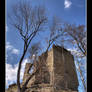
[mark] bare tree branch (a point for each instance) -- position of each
(28, 21)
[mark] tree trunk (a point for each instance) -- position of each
(18, 72)
(82, 77)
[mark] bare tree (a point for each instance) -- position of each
(28, 21)
(81, 74)
(56, 31)
(76, 35)
(34, 51)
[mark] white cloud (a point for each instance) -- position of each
(15, 51)
(12, 48)
(11, 72)
(8, 46)
(67, 3)
(6, 28)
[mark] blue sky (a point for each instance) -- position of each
(71, 11)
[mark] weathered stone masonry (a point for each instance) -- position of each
(58, 73)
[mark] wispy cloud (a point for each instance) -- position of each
(6, 28)
(15, 51)
(67, 3)
(11, 72)
(8, 46)
(12, 48)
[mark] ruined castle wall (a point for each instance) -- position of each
(70, 71)
(12, 88)
(59, 81)
(64, 70)
(27, 74)
(43, 89)
(65, 91)
(57, 74)
(50, 65)
(45, 72)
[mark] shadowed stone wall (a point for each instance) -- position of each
(65, 76)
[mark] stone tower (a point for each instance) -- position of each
(64, 76)
(58, 73)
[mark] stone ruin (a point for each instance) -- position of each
(57, 74)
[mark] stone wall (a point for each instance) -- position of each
(59, 70)
(27, 74)
(12, 88)
(64, 69)
(57, 73)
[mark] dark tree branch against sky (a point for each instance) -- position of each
(28, 22)
(76, 35)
